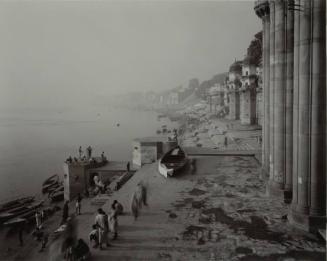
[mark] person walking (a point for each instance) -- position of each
(38, 219)
(118, 207)
(89, 152)
(21, 229)
(78, 204)
(113, 220)
(139, 198)
(80, 152)
(101, 220)
(128, 166)
(94, 236)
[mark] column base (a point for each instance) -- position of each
(274, 190)
(264, 174)
(306, 222)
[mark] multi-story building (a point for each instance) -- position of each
(234, 84)
(248, 100)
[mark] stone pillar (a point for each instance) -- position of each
(276, 182)
(262, 11)
(295, 102)
(289, 104)
(266, 87)
(309, 166)
(248, 104)
(271, 88)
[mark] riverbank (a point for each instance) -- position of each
(218, 212)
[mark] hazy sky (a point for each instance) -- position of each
(61, 52)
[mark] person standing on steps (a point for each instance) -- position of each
(78, 204)
(113, 220)
(80, 152)
(128, 166)
(101, 220)
(89, 152)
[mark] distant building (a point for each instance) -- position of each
(149, 149)
(248, 91)
(234, 84)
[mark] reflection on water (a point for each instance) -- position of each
(33, 145)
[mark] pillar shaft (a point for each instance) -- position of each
(289, 101)
(279, 96)
(266, 66)
(318, 111)
(295, 103)
(309, 165)
(271, 87)
(303, 108)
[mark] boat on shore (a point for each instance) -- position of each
(51, 179)
(172, 162)
(57, 194)
(5, 216)
(26, 217)
(50, 184)
(15, 203)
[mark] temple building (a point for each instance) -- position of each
(234, 84)
(259, 97)
(248, 91)
(294, 97)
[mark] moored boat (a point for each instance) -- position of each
(172, 162)
(15, 203)
(5, 216)
(50, 186)
(57, 196)
(51, 179)
(26, 217)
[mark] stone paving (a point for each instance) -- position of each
(212, 134)
(217, 212)
(220, 212)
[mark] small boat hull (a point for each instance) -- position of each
(57, 196)
(172, 162)
(50, 186)
(15, 203)
(51, 179)
(19, 212)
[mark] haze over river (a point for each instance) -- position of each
(35, 143)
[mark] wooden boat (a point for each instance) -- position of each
(5, 216)
(15, 203)
(50, 186)
(51, 179)
(57, 196)
(26, 217)
(56, 190)
(55, 187)
(173, 161)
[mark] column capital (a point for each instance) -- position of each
(261, 8)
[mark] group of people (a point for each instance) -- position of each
(87, 157)
(105, 223)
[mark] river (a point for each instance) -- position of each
(35, 143)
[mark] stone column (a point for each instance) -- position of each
(271, 88)
(309, 170)
(289, 104)
(295, 102)
(266, 69)
(262, 11)
(318, 111)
